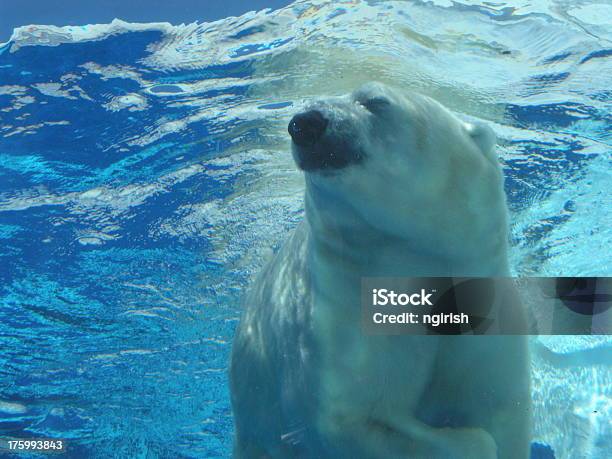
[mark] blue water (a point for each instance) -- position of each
(145, 177)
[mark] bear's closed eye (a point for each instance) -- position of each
(376, 104)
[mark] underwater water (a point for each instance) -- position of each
(145, 176)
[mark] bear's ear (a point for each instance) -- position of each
(482, 135)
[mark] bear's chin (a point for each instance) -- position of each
(327, 155)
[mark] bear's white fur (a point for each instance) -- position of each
(425, 200)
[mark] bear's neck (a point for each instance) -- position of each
(343, 246)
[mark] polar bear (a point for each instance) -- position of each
(396, 185)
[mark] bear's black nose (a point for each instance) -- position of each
(308, 127)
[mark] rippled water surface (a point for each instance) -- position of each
(145, 176)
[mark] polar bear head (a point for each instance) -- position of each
(399, 165)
